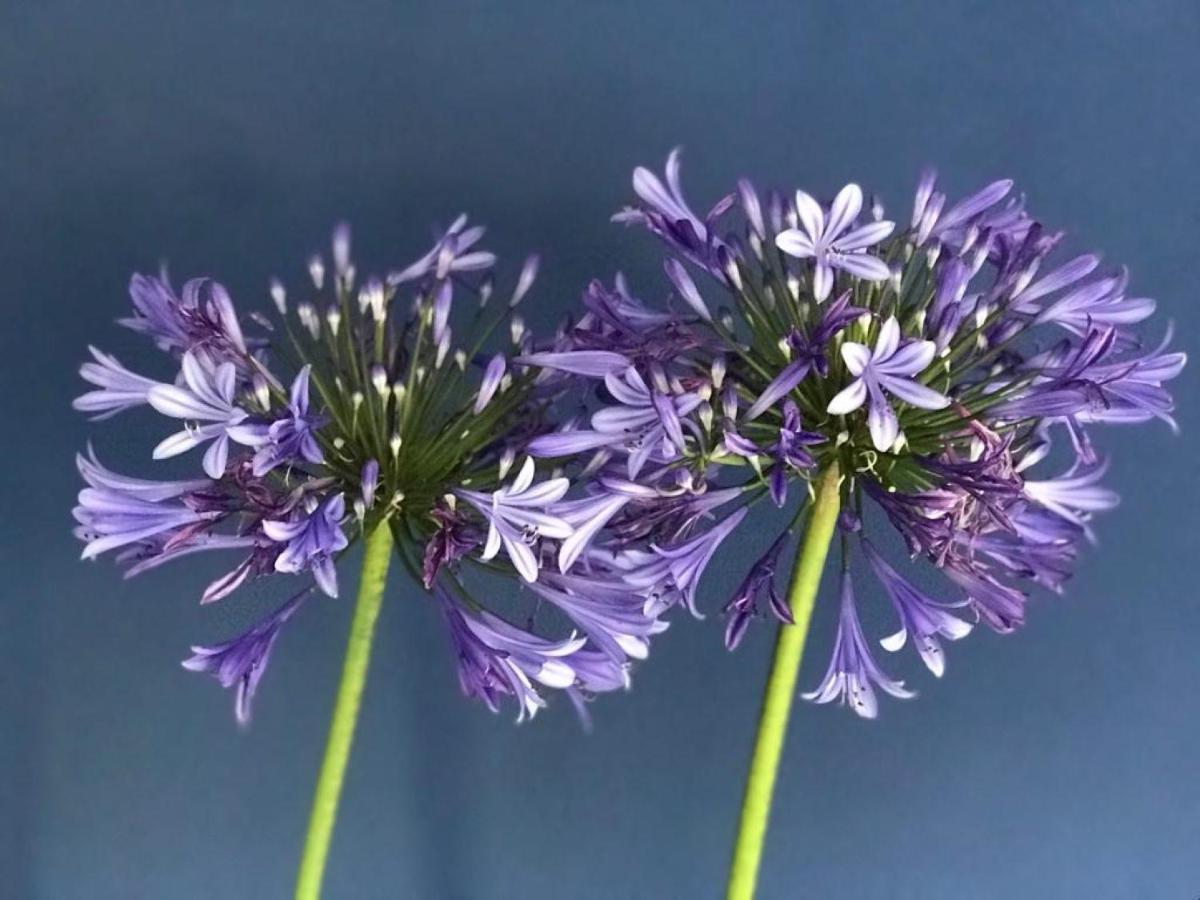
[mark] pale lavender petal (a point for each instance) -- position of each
(866, 236)
(687, 288)
(795, 242)
(844, 210)
(848, 399)
(914, 394)
(861, 265)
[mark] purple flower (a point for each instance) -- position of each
(928, 219)
(830, 243)
(920, 615)
(312, 537)
(116, 511)
(789, 453)
(647, 424)
(240, 663)
(1075, 496)
(853, 673)
(119, 389)
(744, 605)
(672, 574)
(667, 214)
(587, 517)
(453, 539)
(287, 440)
(496, 659)
(1002, 607)
(201, 320)
(517, 517)
(450, 254)
(888, 367)
(208, 395)
(606, 609)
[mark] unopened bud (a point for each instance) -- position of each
(718, 372)
(262, 391)
(379, 379)
(279, 296)
(316, 271)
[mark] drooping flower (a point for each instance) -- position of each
(240, 663)
(744, 604)
(921, 617)
(853, 674)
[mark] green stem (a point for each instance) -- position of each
(376, 556)
(781, 686)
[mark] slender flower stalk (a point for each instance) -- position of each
(781, 688)
(376, 558)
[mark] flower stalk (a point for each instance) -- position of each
(376, 557)
(781, 687)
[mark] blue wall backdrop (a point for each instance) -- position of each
(227, 138)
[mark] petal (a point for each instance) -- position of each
(822, 280)
(845, 209)
(914, 394)
(848, 399)
(492, 545)
(811, 216)
(795, 242)
(866, 236)
(687, 289)
(216, 457)
(524, 477)
(883, 425)
(179, 403)
(781, 386)
(593, 363)
(888, 340)
(857, 357)
(179, 442)
(861, 265)
(521, 556)
(566, 443)
(912, 358)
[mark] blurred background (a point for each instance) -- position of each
(226, 139)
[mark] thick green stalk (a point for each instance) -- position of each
(781, 686)
(377, 555)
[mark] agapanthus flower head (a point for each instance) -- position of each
(376, 402)
(934, 365)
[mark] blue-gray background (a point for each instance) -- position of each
(1059, 762)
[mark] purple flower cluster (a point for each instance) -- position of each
(938, 367)
(389, 422)
(934, 365)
